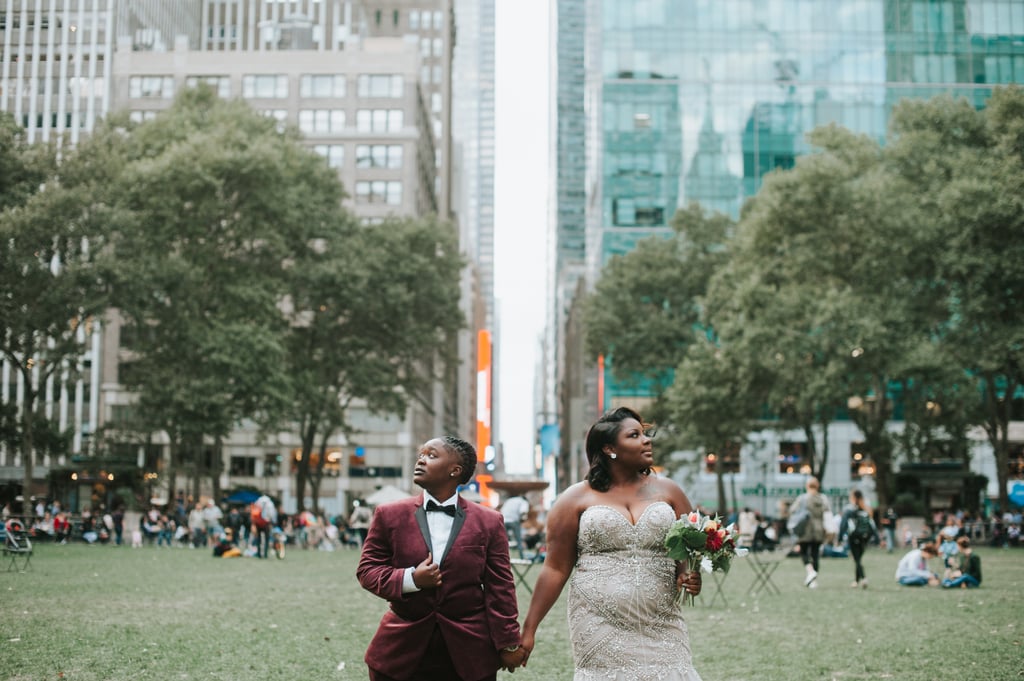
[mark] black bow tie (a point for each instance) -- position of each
(433, 506)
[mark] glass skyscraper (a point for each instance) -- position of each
(696, 100)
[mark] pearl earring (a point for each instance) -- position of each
(613, 455)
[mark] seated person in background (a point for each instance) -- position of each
(913, 568)
(968, 573)
(225, 546)
(949, 550)
(42, 528)
(764, 535)
(61, 527)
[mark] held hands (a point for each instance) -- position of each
(427, 575)
(511, 660)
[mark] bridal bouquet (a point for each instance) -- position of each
(702, 541)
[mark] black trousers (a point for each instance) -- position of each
(436, 665)
(809, 552)
(857, 551)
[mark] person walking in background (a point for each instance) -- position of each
(858, 529)
(514, 511)
(811, 534)
(262, 517)
(443, 565)
(608, 534)
(913, 567)
(359, 521)
(968, 573)
(888, 521)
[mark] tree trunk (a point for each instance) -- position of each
(27, 443)
(218, 467)
(824, 449)
(997, 427)
(302, 465)
(723, 509)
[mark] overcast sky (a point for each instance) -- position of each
(521, 196)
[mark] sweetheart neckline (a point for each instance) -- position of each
(623, 515)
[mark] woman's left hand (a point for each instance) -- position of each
(690, 581)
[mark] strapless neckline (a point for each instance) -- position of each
(623, 515)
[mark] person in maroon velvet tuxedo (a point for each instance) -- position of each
(443, 565)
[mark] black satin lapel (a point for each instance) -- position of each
(421, 520)
(460, 518)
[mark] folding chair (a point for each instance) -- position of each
(764, 564)
(17, 545)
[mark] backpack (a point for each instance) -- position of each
(860, 527)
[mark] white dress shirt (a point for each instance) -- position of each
(440, 526)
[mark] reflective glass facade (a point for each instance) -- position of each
(696, 100)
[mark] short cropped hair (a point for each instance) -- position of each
(466, 453)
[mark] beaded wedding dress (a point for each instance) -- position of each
(624, 621)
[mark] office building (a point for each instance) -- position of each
(697, 100)
(369, 85)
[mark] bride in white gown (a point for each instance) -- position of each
(624, 620)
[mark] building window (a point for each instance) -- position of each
(860, 463)
(793, 458)
(128, 374)
(436, 102)
(141, 116)
(322, 85)
(435, 74)
(332, 463)
(321, 120)
(414, 19)
(380, 85)
(271, 465)
(438, 20)
(730, 459)
(379, 156)
(1015, 461)
(379, 120)
(243, 466)
(220, 84)
(151, 87)
(124, 416)
(379, 192)
(334, 153)
(265, 86)
(437, 47)
(279, 115)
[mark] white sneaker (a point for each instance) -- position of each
(811, 576)
(812, 585)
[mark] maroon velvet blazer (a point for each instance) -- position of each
(475, 606)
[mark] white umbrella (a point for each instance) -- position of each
(385, 494)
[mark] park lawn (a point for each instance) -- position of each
(103, 613)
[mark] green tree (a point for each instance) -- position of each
(645, 310)
(966, 170)
(213, 204)
(51, 285)
(711, 406)
(375, 308)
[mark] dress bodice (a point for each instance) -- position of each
(604, 529)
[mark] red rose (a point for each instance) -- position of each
(714, 542)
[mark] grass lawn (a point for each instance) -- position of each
(100, 613)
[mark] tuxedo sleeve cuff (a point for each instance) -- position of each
(409, 586)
